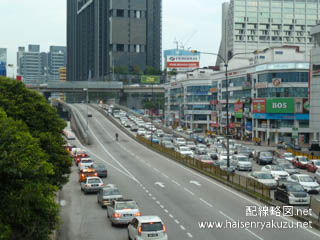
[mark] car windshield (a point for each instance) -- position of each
(94, 180)
(266, 154)
(151, 227)
(180, 140)
(190, 143)
(205, 157)
(112, 191)
(276, 168)
(126, 205)
(87, 161)
(295, 188)
(264, 176)
(185, 149)
(317, 163)
(99, 166)
(306, 179)
(303, 159)
(288, 155)
(243, 159)
(287, 166)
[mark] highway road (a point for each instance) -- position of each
(182, 197)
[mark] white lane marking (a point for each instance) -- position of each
(195, 183)
(154, 198)
(189, 235)
(161, 206)
(176, 183)
(187, 190)
(182, 227)
(231, 219)
(125, 169)
(147, 190)
(150, 194)
(160, 184)
(158, 202)
(156, 169)
(166, 210)
(170, 215)
(165, 175)
(63, 203)
(177, 222)
(205, 202)
(148, 164)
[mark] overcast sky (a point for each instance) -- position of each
(195, 24)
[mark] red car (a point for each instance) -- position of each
(300, 161)
(313, 165)
(79, 157)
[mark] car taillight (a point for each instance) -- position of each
(138, 214)
(139, 231)
(102, 184)
(86, 185)
(116, 215)
(164, 228)
(82, 175)
(96, 174)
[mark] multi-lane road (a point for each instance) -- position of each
(181, 197)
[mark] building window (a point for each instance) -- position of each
(137, 14)
(120, 47)
(120, 13)
(279, 52)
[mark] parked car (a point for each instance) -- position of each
(307, 182)
(300, 161)
(313, 165)
(147, 227)
(108, 194)
(100, 169)
(277, 172)
(292, 193)
(241, 162)
(122, 211)
(263, 157)
(264, 178)
(91, 184)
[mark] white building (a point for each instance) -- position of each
(259, 24)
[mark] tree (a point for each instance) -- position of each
(136, 69)
(28, 210)
(43, 124)
(121, 69)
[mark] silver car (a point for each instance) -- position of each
(122, 211)
(242, 162)
(91, 184)
(107, 195)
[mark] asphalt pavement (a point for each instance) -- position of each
(184, 199)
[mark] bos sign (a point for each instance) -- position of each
(280, 105)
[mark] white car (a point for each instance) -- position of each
(276, 171)
(159, 133)
(147, 228)
(264, 178)
(179, 129)
(141, 131)
(307, 182)
(242, 162)
(191, 145)
(185, 151)
(85, 163)
(179, 142)
(288, 156)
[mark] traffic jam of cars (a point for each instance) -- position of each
(287, 175)
(119, 210)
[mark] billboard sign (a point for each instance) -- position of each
(147, 79)
(280, 105)
(276, 82)
(259, 105)
(238, 107)
(249, 126)
(183, 63)
(306, 105)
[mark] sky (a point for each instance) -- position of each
(195, 24)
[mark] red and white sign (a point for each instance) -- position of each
(182, 63)
(276, 82)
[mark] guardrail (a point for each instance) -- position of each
(298, 153)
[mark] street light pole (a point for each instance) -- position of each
(151, 114)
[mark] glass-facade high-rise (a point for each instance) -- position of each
(258, 24)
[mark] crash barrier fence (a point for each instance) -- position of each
(308, 155)
(315, 206)
(244, 182)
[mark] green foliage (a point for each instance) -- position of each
(151, 71)
(33, 163)
(173, 72)
(28, 210)
(136, 70)
(42, 121)
(153, 104)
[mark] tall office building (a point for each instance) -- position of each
(102, 34)
(3, 62)
(57, 58)
(259, 24)
(30, 64)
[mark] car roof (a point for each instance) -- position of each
(260, 172)
(146, 219)
(240, 155)
(302, 175)
(94, 178)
